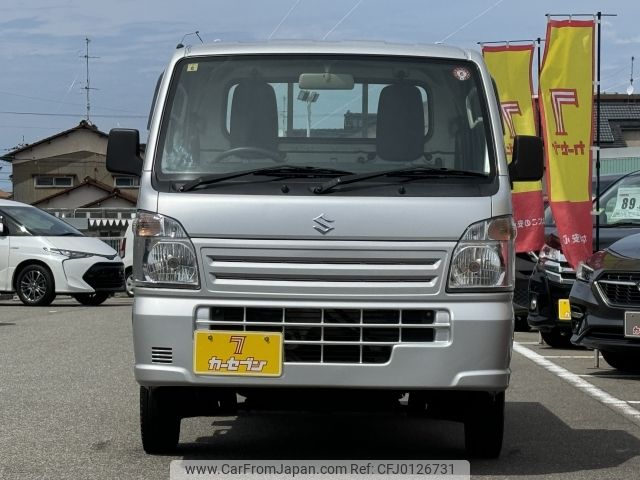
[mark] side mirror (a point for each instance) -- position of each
(527, 161)
(123, 152)
(2, 229)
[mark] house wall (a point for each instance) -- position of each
(80, 154)
(75, 198)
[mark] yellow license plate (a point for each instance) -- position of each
(257, 354)
(564, 310)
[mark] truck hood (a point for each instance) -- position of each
(334, 218)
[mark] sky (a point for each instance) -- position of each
(43, 75)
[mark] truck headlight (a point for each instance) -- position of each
(484, 256)
(168, 258)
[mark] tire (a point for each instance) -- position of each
(159, 422)
(35, 286)
(484, 425)
(557, 339)
(625, 362)
(91, 299)
(520, 324)
(128, 282)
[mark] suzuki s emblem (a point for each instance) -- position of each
(323, 224)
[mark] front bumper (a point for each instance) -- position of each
(596, 325)
(475, 356)
(545, 292)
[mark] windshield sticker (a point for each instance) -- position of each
(461, 73)
(627, 204)
(192, 67)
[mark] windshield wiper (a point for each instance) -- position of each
(280, 170)
(416, 172)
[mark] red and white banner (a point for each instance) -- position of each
(510, 67)
(566, 102)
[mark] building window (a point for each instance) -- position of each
(49, 181)
(126, 182)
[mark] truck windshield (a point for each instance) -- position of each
(358, 114)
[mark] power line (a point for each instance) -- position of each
(286, 15)
(75, 104)
(44, 114)
(342, 20)
(484, 12)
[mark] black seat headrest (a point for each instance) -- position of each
(400, 123)
(254, 116)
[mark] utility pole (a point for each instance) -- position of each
(87, 86)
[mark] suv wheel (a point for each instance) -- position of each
(159, 422)
(35, 286)
(557, 338)
(484, 425)
(625, 362)
(91, 299)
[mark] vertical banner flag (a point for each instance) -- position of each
(566, 101)
(510, 67)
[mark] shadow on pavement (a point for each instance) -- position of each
(536, 441)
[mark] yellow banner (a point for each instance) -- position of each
(566, 94)
(510, 67)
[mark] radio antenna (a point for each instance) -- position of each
(87, 86)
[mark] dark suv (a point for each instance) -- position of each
(605, 304)
(552, 277)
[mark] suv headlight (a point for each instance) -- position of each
(484, 257)
(584, 272)
(168, 258)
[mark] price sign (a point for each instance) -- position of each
(627, 204)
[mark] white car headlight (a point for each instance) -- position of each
(68, 253)
(168, 258)
(484, 256)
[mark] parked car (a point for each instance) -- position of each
(42, 256)
(605, 304)
(553, 277)
(126, 253)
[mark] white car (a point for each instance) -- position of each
(42, 256)
(126, 253)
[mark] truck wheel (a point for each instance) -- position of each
(159, 422)
(91, 299)
(625, 362)
(35, 286)
(484, 425)
(556, 339)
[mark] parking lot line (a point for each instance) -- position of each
(603, 397)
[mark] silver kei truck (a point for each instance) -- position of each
(324, 226)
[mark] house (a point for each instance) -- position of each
(66, 175)
(62, 161)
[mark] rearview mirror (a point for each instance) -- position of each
(326, 81)
(527, 161)
(123, 152)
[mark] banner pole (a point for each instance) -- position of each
(538, 116)
(599, 15)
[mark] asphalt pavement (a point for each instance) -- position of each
(69, 410)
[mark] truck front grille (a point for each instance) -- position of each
(331, 335)
(620, 289)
